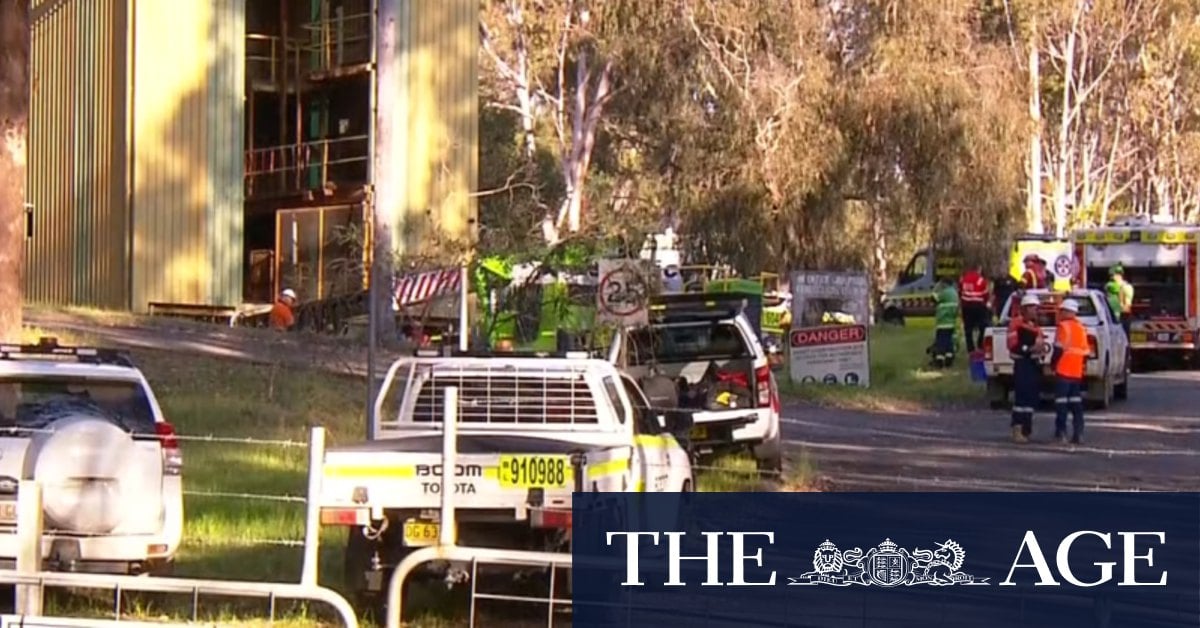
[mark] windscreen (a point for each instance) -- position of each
(686, 343)
(1047, 312)
(35, 402)
(1158, 291)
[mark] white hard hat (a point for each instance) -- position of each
(288, 292)
(1071, 305)
(1030, 299)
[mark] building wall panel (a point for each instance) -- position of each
(188, 121)
(76, 173)
(438, 44)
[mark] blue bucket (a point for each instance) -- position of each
(978, 370)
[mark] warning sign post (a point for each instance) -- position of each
(830, 354)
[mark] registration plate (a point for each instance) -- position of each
(534, 471)
(1164, 337)
(8, 512)
(699, 433)
(421, 533)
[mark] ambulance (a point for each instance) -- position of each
(1060, 269)
(1161, 260)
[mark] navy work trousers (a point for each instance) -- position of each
(1027, 388)
(1068, 398)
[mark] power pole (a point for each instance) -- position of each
(385, 191)
(14, 136)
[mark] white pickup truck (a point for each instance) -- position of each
(699, 351)
(1107, 369)
(530, 430)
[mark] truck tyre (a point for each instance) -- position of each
(769, 455)
(1121, 391)
(997, 393)
(893, 316)
(1104, 400)
(355, 564)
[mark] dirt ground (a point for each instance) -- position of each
(1150, 443)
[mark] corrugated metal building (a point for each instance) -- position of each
(146, 162)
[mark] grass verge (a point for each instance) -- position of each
(901, 381)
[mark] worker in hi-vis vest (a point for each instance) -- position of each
(1070, 356)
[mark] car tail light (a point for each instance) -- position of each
(172, 455)
(1093, 351)
(344, 516)
(988, 348)
(549, 518)
(762, 382)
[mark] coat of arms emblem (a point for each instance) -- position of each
(888, 565)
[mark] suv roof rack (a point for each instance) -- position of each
(578, 354)
(705, 305)
(47, 348)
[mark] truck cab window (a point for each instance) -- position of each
(644, 420)
(916, 269)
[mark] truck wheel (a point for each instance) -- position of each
(997, 393)
(893, 316)
(1106, 394)
(355, 565)
(769, 455)
(1121, 391)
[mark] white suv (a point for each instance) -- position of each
(84, 423)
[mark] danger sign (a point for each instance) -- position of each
(831, 335)
(831, 354)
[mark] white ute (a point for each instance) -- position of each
(530, 431)
(1106, 374)
(701, 353)
(84, 423)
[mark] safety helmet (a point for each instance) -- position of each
(1030, 299)
(289, 293)
(1033, 257)
(1071, 305)
(1116, 270)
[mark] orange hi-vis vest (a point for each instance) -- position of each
(1071, 336)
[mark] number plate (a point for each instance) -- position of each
(1164, 337)
(8, 512)
(534, 471)
(699, 433)
(421, 533)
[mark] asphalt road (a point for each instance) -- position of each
(1150, 442)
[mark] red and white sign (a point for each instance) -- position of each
(416, 288)
(831, 354)
(828, 335)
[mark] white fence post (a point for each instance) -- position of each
(312, 507)
(449, 463)
(29, 546)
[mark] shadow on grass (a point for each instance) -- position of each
(901, 380)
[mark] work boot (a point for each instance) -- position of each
(1076, 439)
(1018, 435)
(1061, 437)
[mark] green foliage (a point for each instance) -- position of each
(778, 134)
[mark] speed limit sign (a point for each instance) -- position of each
(623, 293)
